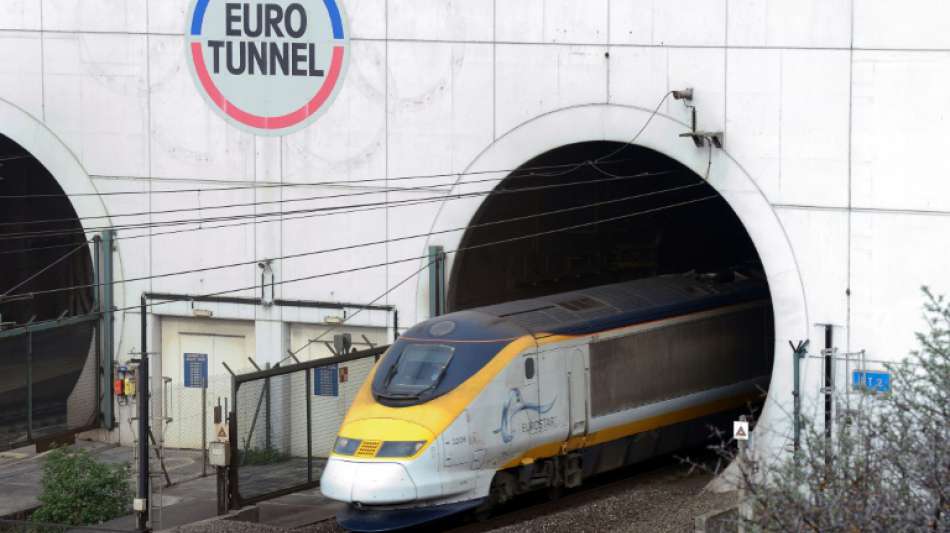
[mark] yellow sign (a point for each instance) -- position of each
(221, 432)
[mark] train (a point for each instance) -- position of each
(468, 410)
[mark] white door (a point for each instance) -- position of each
(577, 391)
(185, 403)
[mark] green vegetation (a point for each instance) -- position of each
(261, 456)
(79, 490)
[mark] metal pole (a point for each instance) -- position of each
(829, 388)
(797, 354)
(29, 386)
(309, 427)
(829, 379)
(101, 375)
(106, 329)
(143, 424)
(204, 430)
(267, 428)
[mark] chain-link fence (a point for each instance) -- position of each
(48, 383)
(285, 421)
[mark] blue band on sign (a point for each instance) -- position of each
(335, 19)
(200, 8)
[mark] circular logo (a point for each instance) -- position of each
(269, 67)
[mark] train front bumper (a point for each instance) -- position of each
(364, 519)
(371, 483)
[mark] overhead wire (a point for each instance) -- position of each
(377, 242)
(331, 210)
(330, 183)
(43, 270)
(279, 201)
(417, 258)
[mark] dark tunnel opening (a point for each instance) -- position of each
(41, 248)
(662, 218)
(655, 235)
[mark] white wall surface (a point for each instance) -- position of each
(834, 112)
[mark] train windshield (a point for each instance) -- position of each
(415, 371)
(418, 368)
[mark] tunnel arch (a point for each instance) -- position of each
(37, 164)
(614, 123)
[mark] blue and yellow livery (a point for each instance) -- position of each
(469, 409)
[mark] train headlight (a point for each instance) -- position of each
(395, 448)
(345, 446)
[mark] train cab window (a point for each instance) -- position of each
(418, 369)
(529, 368)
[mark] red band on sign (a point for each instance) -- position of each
(283, 121)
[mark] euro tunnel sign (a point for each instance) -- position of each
(871, 381)
(269, 67)
(196, 370)
(740, 430)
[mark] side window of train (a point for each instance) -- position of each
(529, 367)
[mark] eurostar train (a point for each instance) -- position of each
(470, 409)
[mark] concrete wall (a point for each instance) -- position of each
(834, 116)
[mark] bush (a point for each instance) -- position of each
(261, 456)
(887, 466)
(78, 490)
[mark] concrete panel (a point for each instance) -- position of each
(702, 69)
(97, 99)
(189, 140)
(349, 141)
(167, 16)
(20, 15)
(327, 231)
(815, 127)
(440, 106)
(802, 23)
(535, 79)
(894, 254)
(753, 127)
(552, 21)
(671, 22)
(788, 122)
(21, 78)
(95, 15)
(819, 240)
(901, 119)
(185, 250)
(638, 76)
(470, 20)
(909, 24)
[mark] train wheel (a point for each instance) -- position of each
(502, 489)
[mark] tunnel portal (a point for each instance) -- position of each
(41, 249)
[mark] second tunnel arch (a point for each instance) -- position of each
(614, 123)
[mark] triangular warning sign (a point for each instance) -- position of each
(222, 434)
(740, 433)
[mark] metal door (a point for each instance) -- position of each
(577, 391)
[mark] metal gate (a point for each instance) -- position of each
(284, 422)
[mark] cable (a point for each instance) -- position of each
(416, 258)
(639, 132)
(375, 243)
(342, 183)
(330, 210)
(44, 269)
(269, 202)
(361, 309)
(36, 248)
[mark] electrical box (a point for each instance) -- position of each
(219, 453)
